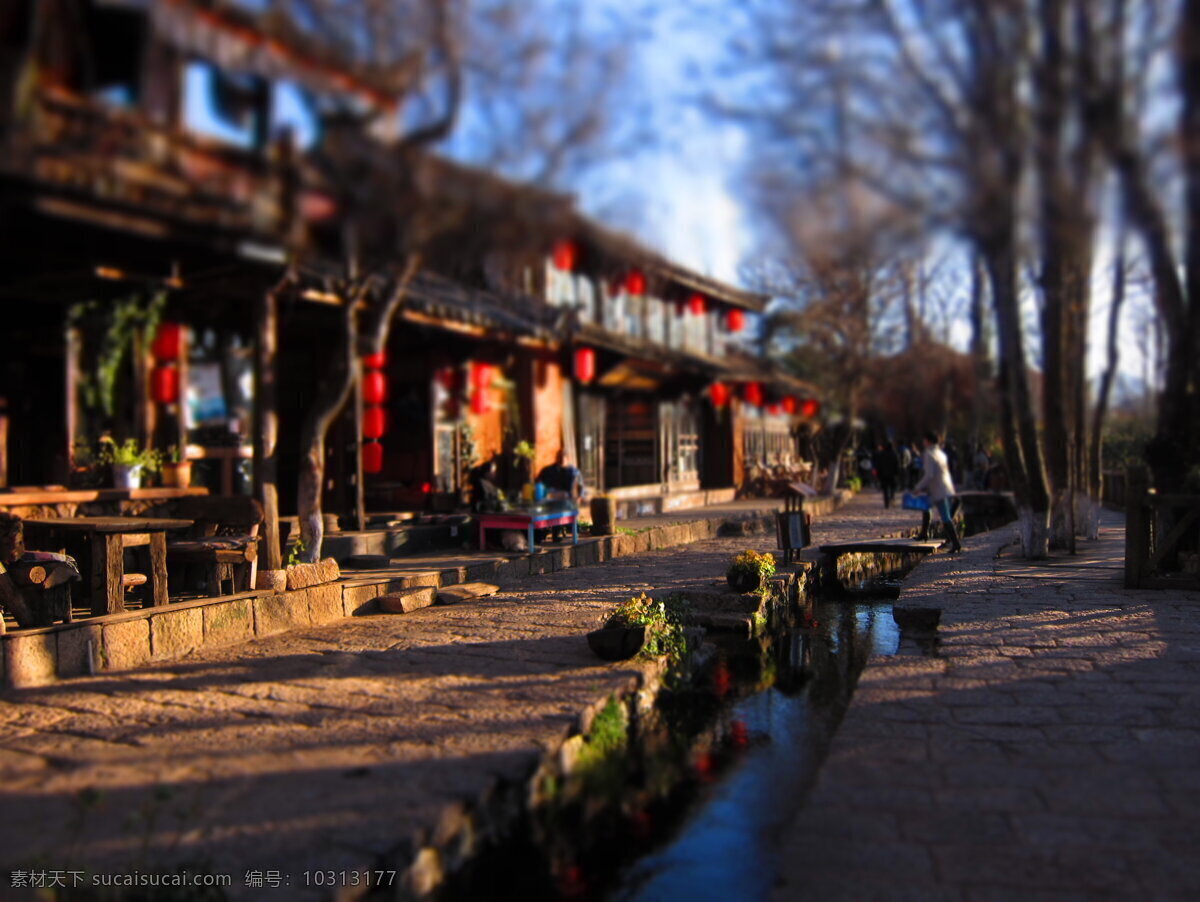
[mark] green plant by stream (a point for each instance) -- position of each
(663, 620)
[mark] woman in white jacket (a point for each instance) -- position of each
(936, 481)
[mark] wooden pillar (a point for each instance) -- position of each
(1137, 525)
(266, 426)
(3, 442)
(355, 446)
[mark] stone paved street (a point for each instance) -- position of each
(326, 747)
(1048, 752)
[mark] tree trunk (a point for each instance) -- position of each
(1022, 450)
(335, 390)
(1095, 486)
(266, 424)
(979, 352)
(1185, 416)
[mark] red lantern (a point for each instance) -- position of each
(736, 319)
(753, 393)
(374, 387)
(790, 405)
(164, 384)
(168, 342)
(372, 457)
(479, 403)
(697, 305)
(635, 282)
(773, 409)
(375, 361)
(810, 408)
(374, 422)
(719, 392)
(481, 376)
(426, 488)
(585, 365)
(566, 255)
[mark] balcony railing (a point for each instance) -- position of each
(120, 159)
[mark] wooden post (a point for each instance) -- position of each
(355, 445)
(3, 442)
(266, 422)
(1137, 525)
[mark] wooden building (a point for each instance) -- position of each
(526, 322)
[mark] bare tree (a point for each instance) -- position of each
(1136, 153)
(439, 50)
(993, 121)
(836, 294)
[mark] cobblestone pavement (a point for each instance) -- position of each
(324, 748)
(1049, 751)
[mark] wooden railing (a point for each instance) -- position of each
(120, 158)
(1162, 536)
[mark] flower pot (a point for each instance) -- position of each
(743, 580)
(617, 643)
(127, 476)
(604, 514)
(178, 475)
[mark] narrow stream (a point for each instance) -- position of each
(726, 846)
(693, 806)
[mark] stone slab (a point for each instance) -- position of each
(175, 633)
(360, 599)
(126, 644)
(29, 660)
(408, 600)
(279, 613)
(325, 603)
(229, 622)
(465, 592)
(72, 649)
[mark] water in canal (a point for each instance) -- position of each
(691, 804)
(725, 847)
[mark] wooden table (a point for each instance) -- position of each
(108, 538)
(529, 521)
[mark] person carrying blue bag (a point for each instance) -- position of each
(935, 480)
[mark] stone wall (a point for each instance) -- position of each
(124, 641)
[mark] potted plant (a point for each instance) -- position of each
(176, 469)
(129, 461)
(524, 455)
(641, 623)
(749, 571)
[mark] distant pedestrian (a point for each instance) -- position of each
(485, 494)
(906, 459)
(980, 467)
(936, 481)
(562, 481)
(887, 467)
(951, 452)
(914, 469)
(864, 462)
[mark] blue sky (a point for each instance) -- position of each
(674, 183)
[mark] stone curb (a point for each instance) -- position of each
(36, 657)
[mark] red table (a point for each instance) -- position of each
(529, 521)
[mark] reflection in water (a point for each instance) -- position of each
(725, 849)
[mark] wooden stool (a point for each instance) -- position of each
(134, 581)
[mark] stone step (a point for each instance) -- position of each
(405, 601)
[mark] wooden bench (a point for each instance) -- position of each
(223, 541)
